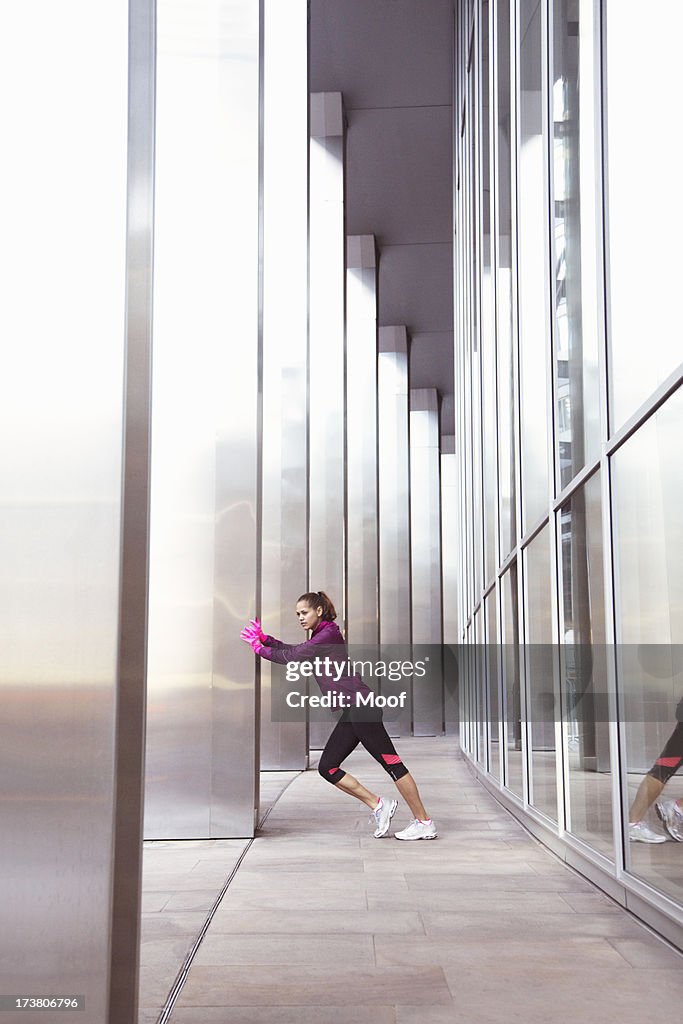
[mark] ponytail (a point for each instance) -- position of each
(319, 599)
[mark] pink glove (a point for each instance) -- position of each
(253, 629)
(258, 631)
(252, 640)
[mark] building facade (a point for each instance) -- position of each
(568, 374)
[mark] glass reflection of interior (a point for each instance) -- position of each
(507, 439)
(471, 706)
(584, 669)
(576, 339)
(513, 765)
(480, 683)
(488, 351)
(475, 354)
(532, 231)
(539, 658)
(492, 676)
(647, 500)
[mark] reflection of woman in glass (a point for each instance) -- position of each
(358, 723)
(670, 811)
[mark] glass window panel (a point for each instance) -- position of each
(574, 177)
(540, 675)
(507, 444)
(647, 499)
(487, 339)
(475, 348)
(511, 683)
(480, 685)
(469, 702)
(584, 668)
(532, 230)
(642, 108)
(493, 682)
(471, 330)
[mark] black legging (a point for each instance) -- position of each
(346, 736)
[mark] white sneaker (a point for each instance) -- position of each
(671, 817)
(418, 830)
(640, 832)
(381, 818)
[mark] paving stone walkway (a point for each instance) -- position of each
(323, 923)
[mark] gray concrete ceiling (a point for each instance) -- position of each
(392, 62)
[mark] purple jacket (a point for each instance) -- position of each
(326, 640)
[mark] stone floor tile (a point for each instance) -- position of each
(307, 866)
(153, 902)
(497, 880)
(155, 984)
(166, 925)
(297, 899)
(317, 922)
(500, 927)
(196, 900)
(148, 1016)
(351, 1014)
(314, 986)
(226, 950)
(484, 954)
(538, 996)
(648, 952)
(429, 1015)
(498, 904)
(591, 903)
(337, 882)
(162, 952)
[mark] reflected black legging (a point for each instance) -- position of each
(346, 736)
(671, 758)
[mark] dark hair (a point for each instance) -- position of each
(319, 599)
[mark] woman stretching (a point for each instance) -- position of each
(316, 612)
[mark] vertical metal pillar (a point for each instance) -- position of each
(394, 504)
(361, 440)
(425, 514)
(284, 565)
(327, 535)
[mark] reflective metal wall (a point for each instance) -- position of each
(425, 519)
(361, 440)
(395, 593)
(284, 569)
(326, 402)
(202, 728)
(566, 314)
(76, 264)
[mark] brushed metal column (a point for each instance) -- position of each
(394, 504)
(425, 516)
(361, 440)
(327, 538)
(131, 710)
(74, 489)
(284, 569)
(449, 576)
(203, 725)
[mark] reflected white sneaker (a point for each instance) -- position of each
(418, 830)
(381, 817)
(640, 832)
(671, 817)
